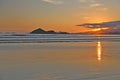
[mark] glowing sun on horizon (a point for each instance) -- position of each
(99, 29)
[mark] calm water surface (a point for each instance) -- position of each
(97, 60)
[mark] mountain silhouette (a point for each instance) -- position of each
(41, 31)
(38, 31)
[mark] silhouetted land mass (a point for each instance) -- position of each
(41, 31)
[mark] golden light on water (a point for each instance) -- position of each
(99, 51)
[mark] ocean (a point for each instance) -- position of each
(59, 57)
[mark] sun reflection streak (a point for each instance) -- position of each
(99, 51)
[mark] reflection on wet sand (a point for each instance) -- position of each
(60, 61)
(99, 51)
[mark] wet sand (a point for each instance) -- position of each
(60, 61)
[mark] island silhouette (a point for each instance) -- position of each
(41, 31)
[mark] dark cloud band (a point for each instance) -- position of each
(104, 24)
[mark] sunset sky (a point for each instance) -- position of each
(59, 15)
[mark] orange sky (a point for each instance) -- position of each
(60, 15)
